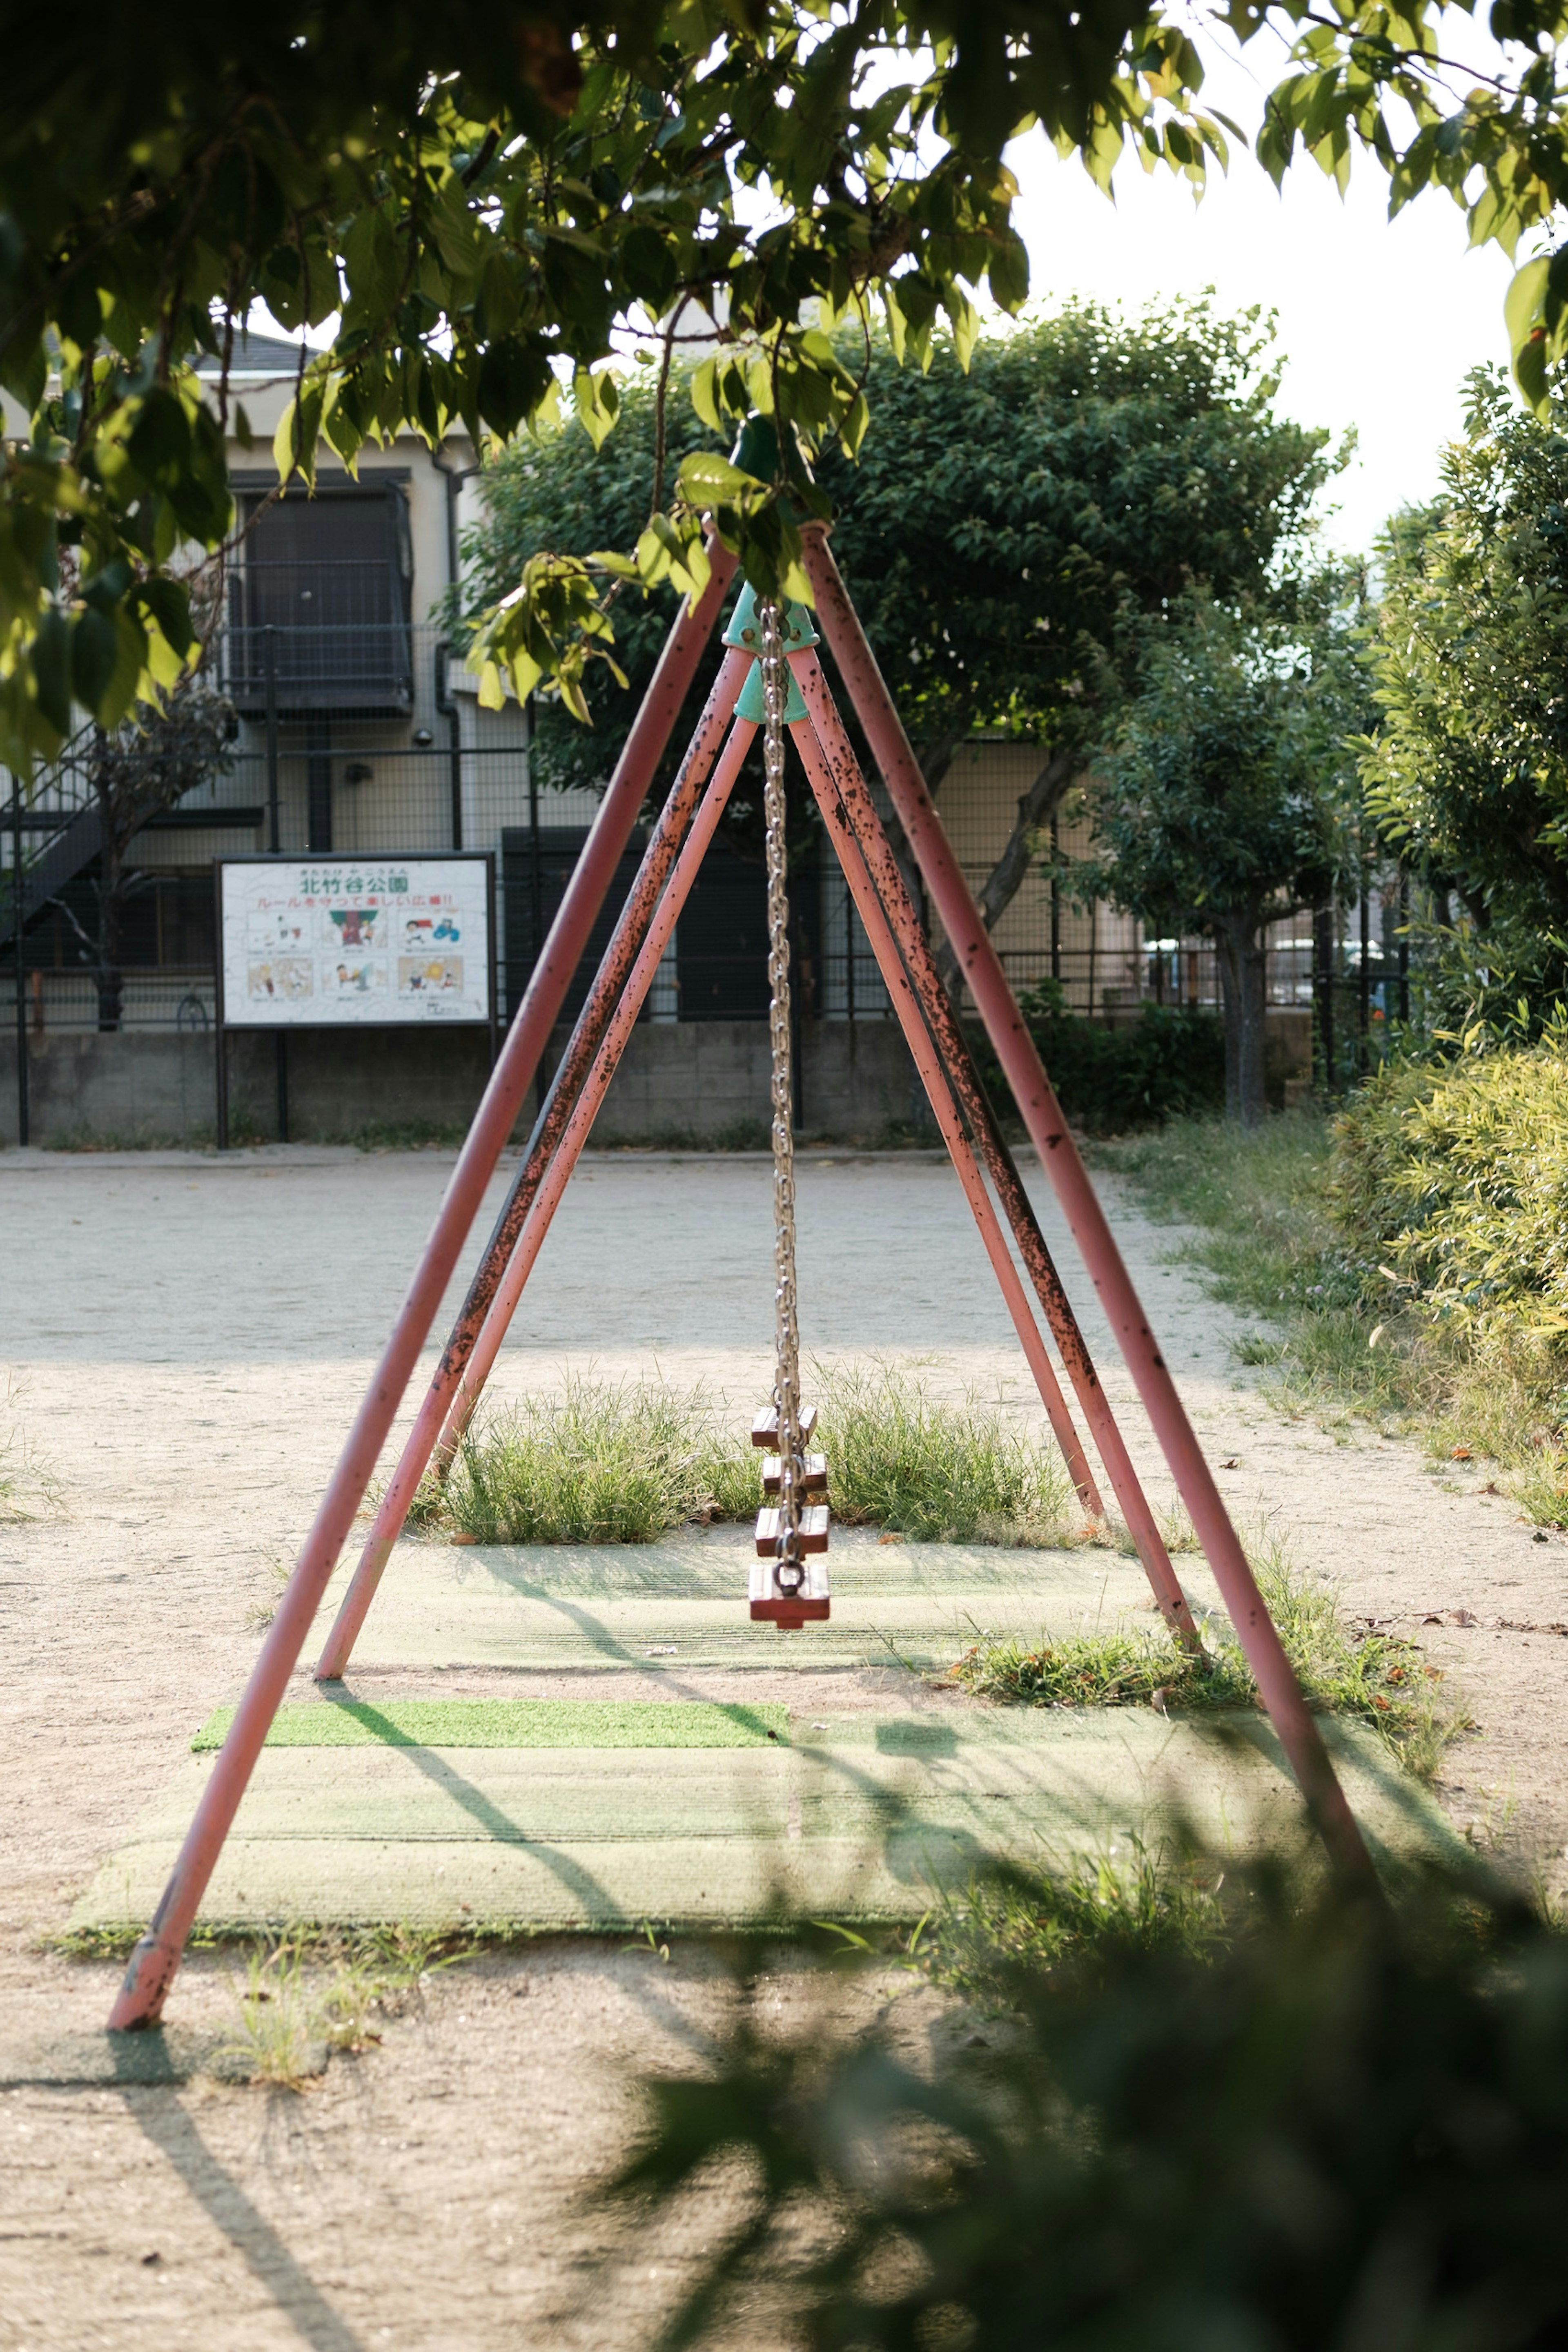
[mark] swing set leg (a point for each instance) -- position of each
(963, 1079)
(616, 1038)
(157, 1957)
(940, 1094)
(565, 1090)
(1298, 1734)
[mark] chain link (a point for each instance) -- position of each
(790, 1568)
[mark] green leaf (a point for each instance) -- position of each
(1521, 303)
(597, 401)
(514, 378)
(95, 649)
(707, 479)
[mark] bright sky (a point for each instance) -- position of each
(1379, 320)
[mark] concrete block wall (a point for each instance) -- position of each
(694, 1081)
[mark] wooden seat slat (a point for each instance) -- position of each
(813, 1529)
(814, 1478)
(765, 1428)
(810, 1606)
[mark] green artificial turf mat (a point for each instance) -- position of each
(512, 1723)
(871, 1821)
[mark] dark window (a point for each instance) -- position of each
(559, 847)
(721, 941)
(167, 922)
(320, 592)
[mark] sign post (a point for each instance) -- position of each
(349, 942)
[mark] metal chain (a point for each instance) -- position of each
(790, 1569)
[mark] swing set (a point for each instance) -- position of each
(770, 678)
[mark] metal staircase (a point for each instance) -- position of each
(45, 838)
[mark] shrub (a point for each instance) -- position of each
(1167, 1061)
(1454, 1178)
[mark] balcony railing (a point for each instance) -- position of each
(317, 636)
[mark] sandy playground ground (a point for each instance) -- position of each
(185, 1344)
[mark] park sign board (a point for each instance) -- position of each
(336, 942)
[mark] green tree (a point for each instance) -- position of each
(1224, 800)
(1468, 774)
(490, 199)
(147, 765)
(1006, 526)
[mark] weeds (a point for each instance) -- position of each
(600, 1464)
(29, 1488)
(278, 2039)
(260, 1613)
(1126, 1896)
(304, 1997)
(623, 1464)
(1342, 1343)
(1345, 1667)
(902, 1459)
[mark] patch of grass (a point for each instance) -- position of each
(600, 1462)
(29, 1488)
(305, 1995)
(1345, 1667)
(1340, 1343)
(402, 1135)
(1124, 1896)
(276, 2039)
(937, 1472)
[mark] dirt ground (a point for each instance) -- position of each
(185, 1344)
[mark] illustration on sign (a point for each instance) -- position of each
(328, 940)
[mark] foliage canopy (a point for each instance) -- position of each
(488, 200)
(1225, 798)
(1468, 774)
(1000, 528)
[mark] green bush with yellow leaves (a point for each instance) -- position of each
(1454, 1179)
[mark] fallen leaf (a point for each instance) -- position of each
(1231, 1464)
(887, 1539)
(464, 1540)
(1460, 1453)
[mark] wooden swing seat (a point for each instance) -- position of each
(789, 1610)
(813, 1474)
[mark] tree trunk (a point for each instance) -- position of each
(1035, 810)
(1238, 941)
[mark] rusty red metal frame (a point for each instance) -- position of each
(963, 1079)
(616, 1037)
(630, 931)
(158, 1954)
(884, 947)
(1041, 1114)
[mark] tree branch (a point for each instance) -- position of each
(1035, 809)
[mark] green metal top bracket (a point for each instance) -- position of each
(751, 703)
(744, 629)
